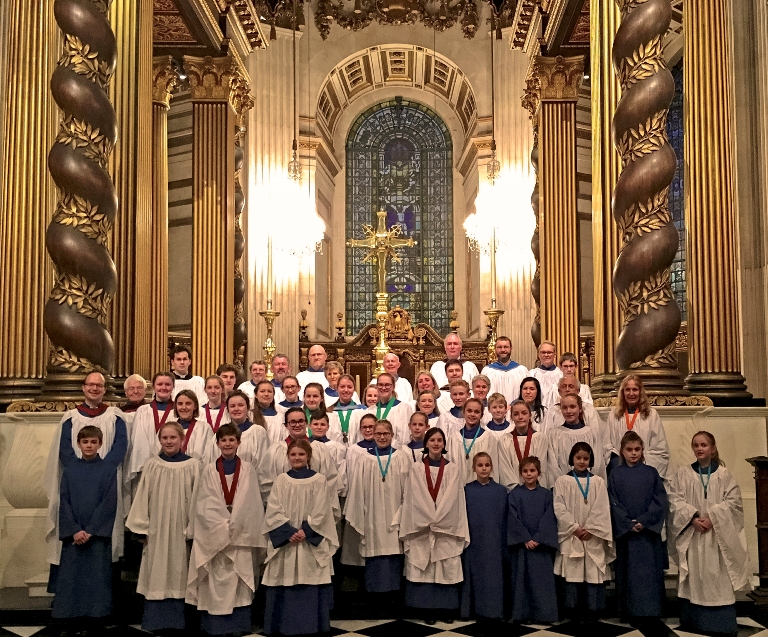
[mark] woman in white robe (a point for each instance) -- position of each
(214, 412)
(375, 497)
(705, 529)
(583, 513)
(226, 542)
(199, 438)
(388, 407)
(264, 413)
(434, 531)
(531, 393)
(634, 412)
(472, 438)
(299, 532)
(160, 514)
(344, 418)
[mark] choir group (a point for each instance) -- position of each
(493, 495)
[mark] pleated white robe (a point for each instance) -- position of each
(715, 564)
(579, 561)
(350, 546)
(295, 500)
(161, 511)
(457, 446)
(438, 371)
(547, 380)
(338, 453)
(227, 547)
(195, 383)
(506, 383)
(145, 443)
(215, 415)
(554, 417)
(510, 476)
(651, 430)
(399, 416)
(372, 504)
(561, 441)
(434, 533)
(253, 446)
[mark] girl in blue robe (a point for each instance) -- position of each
(482, 593)
(87, 510)
(638, 509)
(532, 539)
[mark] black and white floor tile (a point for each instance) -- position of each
(416, 628)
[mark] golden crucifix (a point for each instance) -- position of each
(381, 244)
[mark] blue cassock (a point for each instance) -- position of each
(88, 503)
(637, 493)
(532, 517)
(482, 592)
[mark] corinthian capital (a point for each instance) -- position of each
(165, 78)
(559, 77)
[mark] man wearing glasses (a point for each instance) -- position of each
(390, 408)
(64, 450)
(276, 462)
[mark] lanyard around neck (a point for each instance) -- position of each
(528, 439)
(382, 470)
(584, 492)
(705, 485)
(472, 444)
(379, 415)
(160, 422)
(630, 423)
(218, 417)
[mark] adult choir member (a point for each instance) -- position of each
(453, 347)
(181, 360)
(504, 373)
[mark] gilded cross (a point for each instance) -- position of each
(381, 244)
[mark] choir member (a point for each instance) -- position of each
(290, 388)
(225, 529)
(453, 371)
(135, 392)
(530, 392)
(228, 374)
(181, 359)
(424, 382)
(333, 373)
(344, 419)
(215, 410)
(315, 373)
(254, 438)
(370, 396)
(573, 430)
(705, 528)
(426, 403)
(434, 531)
(65, 450)
(583, 517)
(87, 515)
(319, 429)
(633, 412)
(403, 389)
(533, 540)
(313, 400)
(264, 412)
(418, 426)
(300, 534)
(481, 385)
(453, 347)
(388, 407)
(638, 510)
(568, 366)
(198, 436)
(554, 417)
(147, 422)
(462, 445)
(258, 371)
(548, 374)
(524, 441)
(375, 497)
(498, 425)
(452, 419)
(281, 369)
(482, 593)
(504, 373)
(160, 514)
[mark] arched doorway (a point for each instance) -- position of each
(399, 158)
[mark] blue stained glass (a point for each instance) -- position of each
(399, 159)
(677, 192)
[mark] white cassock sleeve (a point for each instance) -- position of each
(225, 545)
(161, 511)
(577, 560)
(561, 441)
(294, 501)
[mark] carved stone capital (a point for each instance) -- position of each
(220, 79)
(559, 77)
(165, 78)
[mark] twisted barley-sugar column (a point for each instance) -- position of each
(606, 238)
(215, 85)
(650, 315)
(711, 252)
(530, 102)
(558, 220)
(164, 80)
(76, 239)
(129, 317)
(27, 197)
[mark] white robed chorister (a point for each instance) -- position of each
(506, 379)
(553, 417)
(145, 444)
(226, 544)
(398, 414)
(577, 560)
(344, 424)
(650, 429)
(253, 445)
(195, 383)
(338, 453)
(561, 441)
(510, 455)
(461, 451)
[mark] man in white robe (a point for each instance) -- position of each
(135, 388)
(554, 417)
(258, 370)
(281, 367)
(568, 367)
(403, 388)
(181, 359)
(504, 373)
(64, 450)
(315, 373)
(547, 373)
(453, 346)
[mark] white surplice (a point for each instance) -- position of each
(548, 378)
(195, 383)
(338, 453)
(577, 560)
(506, 383)
(510, 464)
(461, 451)
(561, 441)
(398, 415)
(651, 430)
(145, 443)
(438, 372)
(335, 431)
(554, 417)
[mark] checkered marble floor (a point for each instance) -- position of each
(416, 628)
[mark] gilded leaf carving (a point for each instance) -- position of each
(80, 134)
(78, 212)
(647, 138)
(666, 357)
(65, 359)
(645, 62)
(88, 299)
(641, 218)
(641, 296)
(79, 57)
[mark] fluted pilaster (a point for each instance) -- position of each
(28, 195)
(606, 239)
(217, 87)
(714, 329)
(559, 78)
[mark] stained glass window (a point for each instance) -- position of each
(676, 191)
(399, 159)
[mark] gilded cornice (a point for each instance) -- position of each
(165, 78)
(559, 77)
(220, 79)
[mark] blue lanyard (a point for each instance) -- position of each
(464, 444)
(584, 492)
(709, 477)
(382, 470)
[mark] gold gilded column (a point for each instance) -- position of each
(606, 165)
(131, 93)
(215, 84)
(28, 195)
(559, 78)
(164, 81)
(714, 331)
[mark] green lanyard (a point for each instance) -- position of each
(584, 492)
(709, 477)
(474, 439)
(308, 416)
(344, 416)
(382, 470)
(386, 411)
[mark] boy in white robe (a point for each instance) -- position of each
(453, 371)
(226, 547)
(452, 419)
(338, 452)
